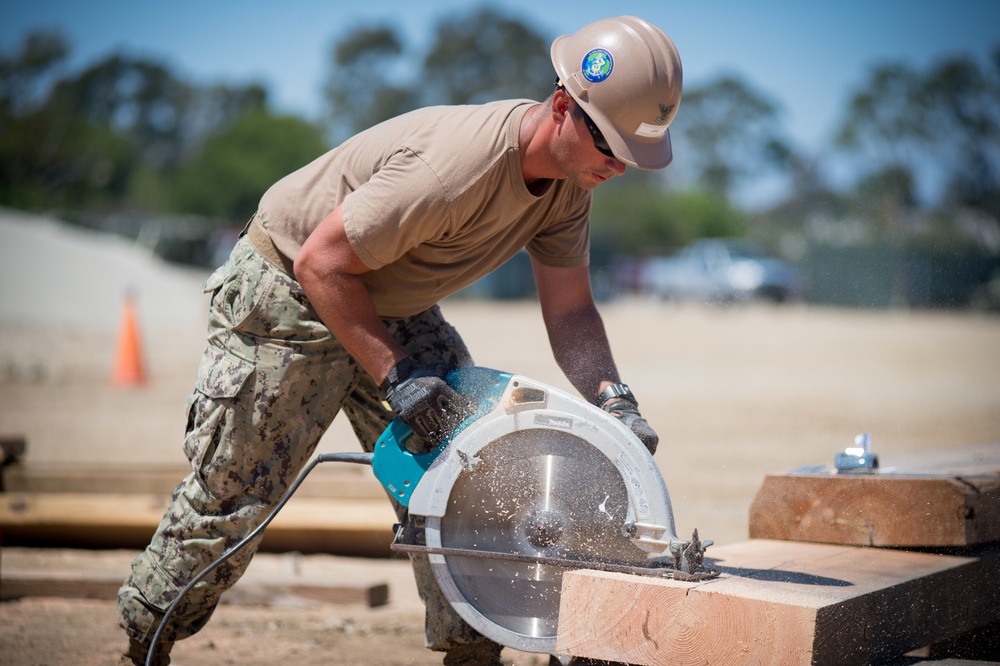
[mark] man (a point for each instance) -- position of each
(329, 303)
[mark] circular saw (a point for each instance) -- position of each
(535, 483)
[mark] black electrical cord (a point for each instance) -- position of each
(349, 457)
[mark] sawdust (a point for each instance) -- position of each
(733, 393)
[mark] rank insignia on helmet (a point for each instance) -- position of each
(597, 65)
(664, 112)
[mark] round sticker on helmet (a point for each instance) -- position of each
(597, 65)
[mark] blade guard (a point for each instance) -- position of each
(506, 403)
(526, 404)
(530, 407)
(398, 469)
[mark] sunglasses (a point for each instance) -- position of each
(599, 141)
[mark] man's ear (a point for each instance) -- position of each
(560, 105)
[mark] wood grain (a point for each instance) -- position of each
(931, 500)
(782, 603)
(101, 520)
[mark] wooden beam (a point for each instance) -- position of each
(306, 524)
(931, 500)
(781, 602)
(341, 481)
(896, 511)
(249, 591)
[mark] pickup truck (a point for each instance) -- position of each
(721, 271)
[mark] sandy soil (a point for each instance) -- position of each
(734, 393)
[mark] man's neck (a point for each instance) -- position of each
(535, 160)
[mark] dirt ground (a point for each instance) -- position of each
(734, 393)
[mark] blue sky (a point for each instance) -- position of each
(808, 56)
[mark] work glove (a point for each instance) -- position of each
(626, 410)
(422, 399)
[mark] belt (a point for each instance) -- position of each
(261, 240)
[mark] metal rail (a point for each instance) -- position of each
(658, 569)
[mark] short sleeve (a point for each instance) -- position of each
(402, 205)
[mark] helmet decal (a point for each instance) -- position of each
(597, 65)
(664, 112)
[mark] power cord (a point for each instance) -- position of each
(358, 458)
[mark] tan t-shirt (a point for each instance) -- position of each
(433, 200)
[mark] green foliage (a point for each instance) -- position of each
(108, 137)
(23, 73)
(947, 116)
(729, 132)
(134, 98)
(52, 161)
(475, 57)
(234, 168)
(127, 133)
(484, 56)
(886, 114)
(639, 220)
(892, 186)
(360, 91)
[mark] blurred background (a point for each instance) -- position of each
(844, 154)
(838, 164)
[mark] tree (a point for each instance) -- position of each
(477, 57)
(24, 78)
(135, 98)
(233, 169)
(884, 118)
(639, 218)
(360, 91)
(963, 108)
(53, 161)
(485, 56)
(108, 136)
(945, 119)
(143, 100)
(23, 75)
(732, 133)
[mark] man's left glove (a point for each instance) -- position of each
(618, 401)
(420, 396)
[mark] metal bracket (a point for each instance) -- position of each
(858, 458)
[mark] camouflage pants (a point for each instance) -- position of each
(270, 383)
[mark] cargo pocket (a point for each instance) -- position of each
(219, 413)
(238, 288)
(217, 277)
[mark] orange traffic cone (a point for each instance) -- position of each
(128, 362)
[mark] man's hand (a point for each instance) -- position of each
(627, 411)
(420, 396)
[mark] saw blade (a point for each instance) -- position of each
(536, 492)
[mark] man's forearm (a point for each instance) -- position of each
(344, 305)
(580, 346)
(330, 271)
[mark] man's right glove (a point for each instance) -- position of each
(420, 396)
(618, 401)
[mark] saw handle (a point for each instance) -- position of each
(397, 467)
(483, 386)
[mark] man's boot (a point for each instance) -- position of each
(137, 652)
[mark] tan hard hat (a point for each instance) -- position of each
(625, 73)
